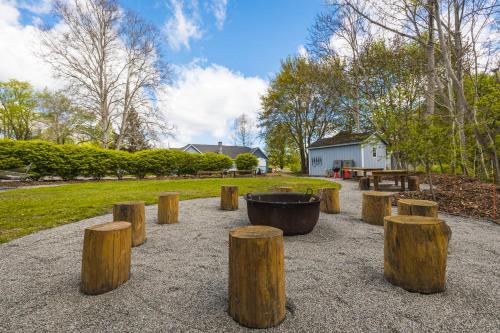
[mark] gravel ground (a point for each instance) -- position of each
(334, 278)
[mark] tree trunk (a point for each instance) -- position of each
(417, 207)
(134, 213)
(376, 205)
(229, 197)
(168, 208)
(330, 200)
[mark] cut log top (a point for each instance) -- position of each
(129, 203)
(168, 194)
(416, 202)
(110, 226)
(256, 231)
(379, 194)
(229, 186)
(413, 219)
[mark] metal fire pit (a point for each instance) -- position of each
(294, 213)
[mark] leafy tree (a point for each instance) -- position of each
(279, 148)
(303, 100)
(17, 110)
(64, 122)
(246, 161)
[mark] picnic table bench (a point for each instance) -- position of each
(401, 175)
(235, 173)
(355, 170)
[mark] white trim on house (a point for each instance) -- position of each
(362, 156)
(190, 145)
(339, 145)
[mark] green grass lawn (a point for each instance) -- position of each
(25, 211)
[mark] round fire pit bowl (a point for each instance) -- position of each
(294, 213)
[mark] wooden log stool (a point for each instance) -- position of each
(133, 212)
(106, 257)
(330, 201)
(376, 206)
(413, 183)
(284, 189)
(415, 252)
(417, 207)
(168, 208)
(364, 183)
(256, 276)
(229, 197)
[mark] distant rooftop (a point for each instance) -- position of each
(342, 138)
(231, 151)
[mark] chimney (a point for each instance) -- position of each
(220, 147)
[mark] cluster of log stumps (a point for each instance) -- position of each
(107, 247)
(415, 250)
(415, 241)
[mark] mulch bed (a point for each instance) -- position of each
(459, 195)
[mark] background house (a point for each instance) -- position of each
(365, 150)
(231, 151)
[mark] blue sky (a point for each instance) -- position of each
(223, 54)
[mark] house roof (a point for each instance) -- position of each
(342, 138)
(231, 151)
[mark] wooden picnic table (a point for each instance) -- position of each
(401, 175)
(364, 170)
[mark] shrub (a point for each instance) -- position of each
(119, 162)
(213, 162)
(246, 161)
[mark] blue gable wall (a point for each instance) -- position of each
(328, 154)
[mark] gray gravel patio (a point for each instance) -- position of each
(334, 278)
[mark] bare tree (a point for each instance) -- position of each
(111, 61)
(242, 131)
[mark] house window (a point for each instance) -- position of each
(317, 161)
(374, 151)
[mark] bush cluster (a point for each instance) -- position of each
(246, 161)
(71, 161)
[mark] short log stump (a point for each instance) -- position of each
(106, 257)
(330, 200)
(229, 197)
(256, 276)
(415, 252)
(168, 208)
(413, 183)
(133, 212)
(417, 207)
(376, 205)
(364, 183)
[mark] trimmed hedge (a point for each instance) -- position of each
(246, 161)
(71, 161)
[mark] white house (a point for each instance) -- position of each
(231, 151)
(365, 150)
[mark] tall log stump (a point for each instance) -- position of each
(417, 207)
(256, 276)
(330, 200)
(364, 183)
(106, 257)
(376, 206)
(415, 252)
(229, 197)
(413, 183)
(133, 212)
(168, 208)
(285, 189)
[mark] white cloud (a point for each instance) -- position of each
(205, 100)
(181, 27)
(36, 6)
(219, 10)
(302, 51)
(19, 46)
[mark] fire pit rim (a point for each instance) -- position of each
(248, 196)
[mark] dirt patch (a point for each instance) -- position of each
(459, 195)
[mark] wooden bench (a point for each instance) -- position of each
(241, 173)
(212, 174)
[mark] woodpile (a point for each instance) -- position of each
(168, 208)
(134, 213)
(415, 252)
(106, 257)
(256, 276)
(376, 205)
(229, 197)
